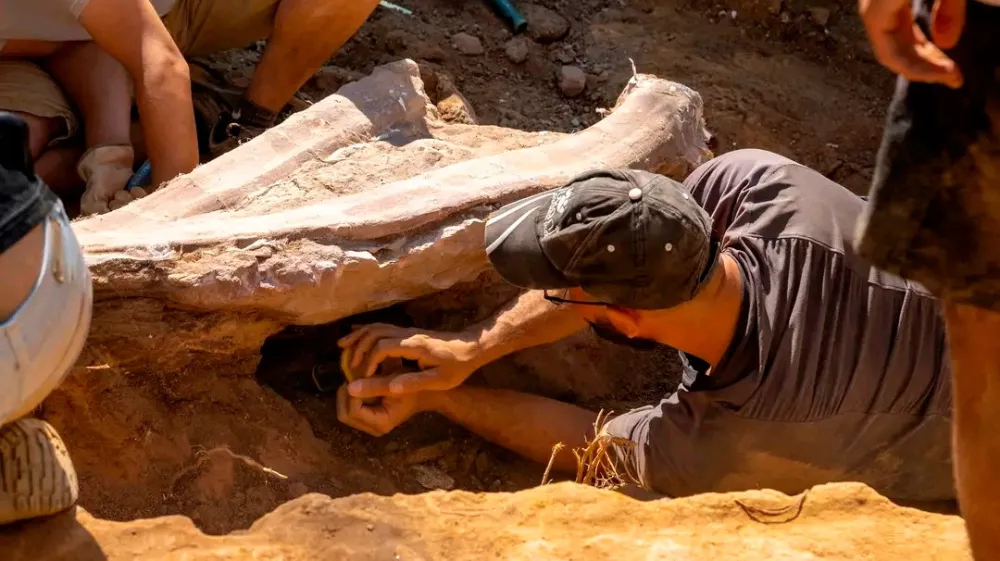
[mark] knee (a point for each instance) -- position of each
(41, 131)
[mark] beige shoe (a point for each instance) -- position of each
(36, 474)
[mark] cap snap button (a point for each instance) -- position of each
(579, 216)
(635, 194)
(611, 249)
(669, 247)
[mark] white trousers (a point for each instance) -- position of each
(41, 341)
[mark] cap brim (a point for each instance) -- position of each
(514, 249)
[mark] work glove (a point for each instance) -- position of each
(106, 169)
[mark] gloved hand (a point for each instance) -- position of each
(106, 169)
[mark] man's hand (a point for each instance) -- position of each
(445, 359)
(380, 418)
(902, 47)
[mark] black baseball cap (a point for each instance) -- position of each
(629, 238)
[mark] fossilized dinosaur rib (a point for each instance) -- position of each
(339, 256)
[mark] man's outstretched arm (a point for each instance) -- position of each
(447, 359)
(526, 424)
(131, 31)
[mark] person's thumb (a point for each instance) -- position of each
(947, 22)
(413, 382)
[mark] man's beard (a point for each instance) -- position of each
(612, 335)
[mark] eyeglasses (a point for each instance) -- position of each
(560, 300)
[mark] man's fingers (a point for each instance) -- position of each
(909, 54)
(357, 331)
(372, 335)
(413, 382)
(369, 387)
(353, 413)
(947, 22)
(392, 348)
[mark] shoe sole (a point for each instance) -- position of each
(36, 474)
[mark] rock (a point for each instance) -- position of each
(456, 109)
(516, 50)
(484, 465)
(331, 78)
(432, 478)
(544, 25)
(453, 107)
(565, 56)
(559, 521)
(468, 45)
(820, 15)
(575, 122)
(572, 81)
(428, 453)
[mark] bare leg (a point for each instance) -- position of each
(972, 338)
(57, 168)
(306, 34)
(98, 84)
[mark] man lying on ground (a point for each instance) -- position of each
(94, 48)
(808, 365)
(45, 307)
(934, 214)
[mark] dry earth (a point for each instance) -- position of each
(556, 522)
(191, 437)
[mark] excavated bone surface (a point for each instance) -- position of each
(363, 200)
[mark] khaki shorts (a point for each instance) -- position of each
(199, 27)
(41, 341)
(934, 211)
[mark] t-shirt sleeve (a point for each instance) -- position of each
(631, 430)
(720, 184)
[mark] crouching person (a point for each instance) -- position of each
(45, 308)
(807, 365)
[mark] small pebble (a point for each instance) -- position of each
(572, 81)
(467, 44)
(544, 25)
(517, 50)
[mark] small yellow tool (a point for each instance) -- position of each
(345, 365)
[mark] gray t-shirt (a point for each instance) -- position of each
(836, 372)
(51, 20)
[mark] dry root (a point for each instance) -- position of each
(595, 462)
(202, 456)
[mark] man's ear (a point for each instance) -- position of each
(626, 321)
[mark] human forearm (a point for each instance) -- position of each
(132, 33)
(163, 94)
(526, 424)
(529, 321)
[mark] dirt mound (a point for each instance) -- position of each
(556, 522)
